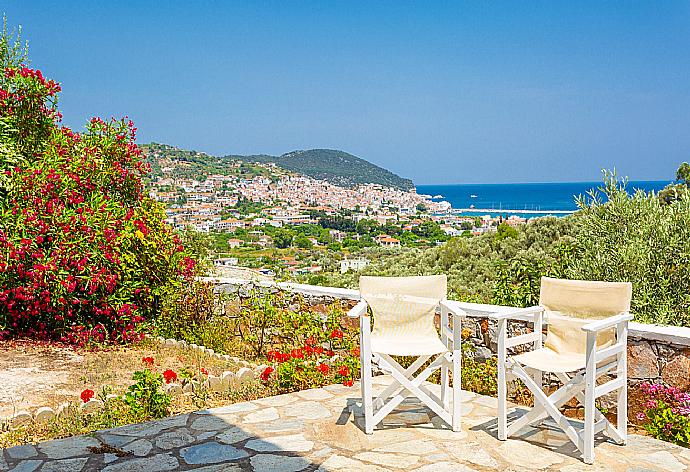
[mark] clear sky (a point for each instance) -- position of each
(441, 92)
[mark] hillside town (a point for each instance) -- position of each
(256, 208)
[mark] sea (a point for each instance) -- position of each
(528, 200)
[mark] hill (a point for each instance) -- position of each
(337, 167)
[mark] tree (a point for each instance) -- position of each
(301, 241)
(504, 231)
(282, 238)
(673, 192)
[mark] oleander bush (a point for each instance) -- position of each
(84, 253)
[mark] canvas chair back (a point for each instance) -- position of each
(570, 304)
(403, 307)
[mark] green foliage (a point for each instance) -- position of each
(472, 264)
(666, 413)
(282, 238)
(195, 314)
(337, 167)
(674, 192)
(683, 173)
(13, 52)
(662, 422)
(478, 377)
(198, 245)
(639, 239)
(248, 207)
(518, 282)
(146, 397)
(505, 231)
(301, 241)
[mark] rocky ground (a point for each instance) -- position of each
(317, 430)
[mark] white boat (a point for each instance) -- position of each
(473, 196)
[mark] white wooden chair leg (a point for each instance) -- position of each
(444, 386)
(367, 395)
(457, 389)
(622, 372)
(502, 388)
(590, 384)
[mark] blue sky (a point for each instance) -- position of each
(441, 92)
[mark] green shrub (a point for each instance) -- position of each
(146, 397)
(637, 238)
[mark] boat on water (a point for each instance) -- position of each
(473, 196)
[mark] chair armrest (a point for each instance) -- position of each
(453, 308)
(518, 313)
(360, 309)
(599, 325)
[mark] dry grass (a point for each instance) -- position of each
(39, 374)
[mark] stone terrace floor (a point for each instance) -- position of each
(315, 430)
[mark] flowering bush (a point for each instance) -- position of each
(327, 357)
(84, 253)
(145, 397)
(667, 413)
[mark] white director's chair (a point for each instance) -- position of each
(403, 309)
(586, 339)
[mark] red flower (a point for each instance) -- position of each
(297, 354)
(204, 371)
(169, 376)
(87, 395)
(344, 370)
(349, 383)
(323, 368)
(266, 373)
(354, 351)
(310, 341)
(336, 334)
(148, 361)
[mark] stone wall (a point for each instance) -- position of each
(655, 353)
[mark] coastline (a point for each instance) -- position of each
(528, 200)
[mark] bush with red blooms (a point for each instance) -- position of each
(84, 253)
(325, 357)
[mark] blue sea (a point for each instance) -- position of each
(539, 199)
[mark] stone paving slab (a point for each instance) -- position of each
(316, 430)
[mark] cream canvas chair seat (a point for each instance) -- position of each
(586, 339)
(404, 309)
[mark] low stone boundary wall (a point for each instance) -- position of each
(655, 353)
(227, 380)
